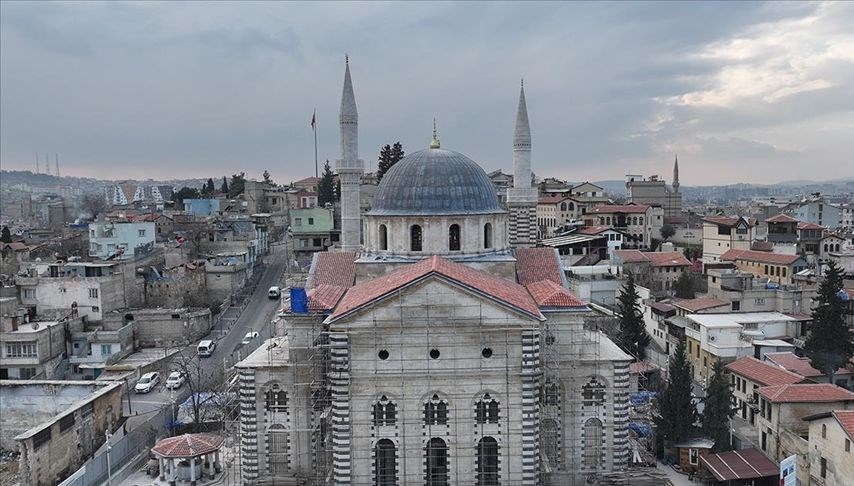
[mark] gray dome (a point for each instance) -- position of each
(435, 181)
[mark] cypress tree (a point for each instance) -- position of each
(6, 235)
(224, 188)
(210, 187)
(684, 286)
(383, 162)
(718, 409)
(677, 413)
(829, 344)
(633, 337)
(326, 186)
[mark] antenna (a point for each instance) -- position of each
(56, 155)
(37, 162)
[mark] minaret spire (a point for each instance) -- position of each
(522, 144)
(349, 167)
(522, 197)
(676, 173)
(434, 143)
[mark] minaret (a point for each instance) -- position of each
(350, 167)
(522, 197)
(676, 174)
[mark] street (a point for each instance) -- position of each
(256, 316)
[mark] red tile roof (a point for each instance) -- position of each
(502, 290)
(782, 218)
(325, 297)
(762, 246)
(535, 264)
(803, 225)
(846, 421)
(764, 374)
(698, 304)
(760, 256)
(639, 367)
(741, 464)
(549, 294)
(334, 268)
(188, 445)
(722, 220)
(806, 393)
(620, 208)
(656, 258)
(594, 230)
(798, 364)
(662, 307)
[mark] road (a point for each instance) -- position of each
(256, 316)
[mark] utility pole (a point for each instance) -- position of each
(109, 465)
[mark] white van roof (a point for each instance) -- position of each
(206, 342)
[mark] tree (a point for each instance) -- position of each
(210, 187)
(389, 155)
(266, 176)
(326, 186)
(666, 232)
(632, 335)
(829, 344)
(6, 235)
(654, 243)
(224, 187)
(235, 188)
(338, 190)
(685, 286)
(93, 203)
(677, 413)
(184, 193)
(718, 409)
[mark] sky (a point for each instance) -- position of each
(742, 92)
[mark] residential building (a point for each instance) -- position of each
(639, 221)
(615, 237)
(33, 349)
(782, 228)
(235, 234)
(809, 237)
(162, 328)
(843, 377)
(819, 212)
(75, 288)
(577, 249)
(831, 243)
(723, 233)
(746, 293)
(554, 212)
(121, 240)
(831, 453)
(312, 229)
(747, 375)
(776, 267)
(202, 207)
(657, 270)
(226, 273)
(94, 346)
(727, 337)
(654, 191)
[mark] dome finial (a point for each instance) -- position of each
(434, 143)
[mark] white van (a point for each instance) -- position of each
(206, 348)
(274, 292)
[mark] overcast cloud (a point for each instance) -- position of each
(744, 92)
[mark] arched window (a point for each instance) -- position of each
(571, 206)
(550, 394)
(437, 462)
(276, 399)
(635, 220)
(454, 237)
(436, 411)
(487, 462)
(415, 238)
(593, 393)
(487, 235)
(837, 247)
(608, 220)
(386, 467)
(277, 450)
(592, 443)
(549, 441)
(640, 220)
(385, 412)
(487, 410)
(383, 237)
(825, 247)
(563, 206)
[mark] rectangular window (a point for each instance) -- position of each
(141, 233)
(93, 293)
(24, 349)
(759, 301)
(29, 293)
(27, 373)
(297, 221)
(66, 422)
(736, 305)
(823, 468)
(784, 272)
(310, 221)
(41, 438)
(106, 349)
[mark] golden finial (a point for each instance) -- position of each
(434, 144)
(346, 58)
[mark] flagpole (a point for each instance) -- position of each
(315, 143)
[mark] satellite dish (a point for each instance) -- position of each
(35, 326)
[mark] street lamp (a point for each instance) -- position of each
(172, 400)
(109, 465)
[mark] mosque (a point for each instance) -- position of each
(438, 346)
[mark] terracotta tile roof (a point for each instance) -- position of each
(722, 220)
(662, 307)
(763, 373)
(535, 264)
(619, 208)
(806, 393)
(594, 230)
(334, 268)
(698, 304)
(325, 297)
(782, 218)
(188, 445)
(762, 246)
(760, 256)
(799, 365)
(667, 259)
(639, 367)
(741, 464)
(549, 294)
(809, 226)
(502, 290)
(846, 421)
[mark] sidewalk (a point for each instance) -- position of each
(676, 479)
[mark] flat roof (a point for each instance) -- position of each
(737, 319)
(33, 327)
(570, 240)
(274, 352)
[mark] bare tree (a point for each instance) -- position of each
(93, 203)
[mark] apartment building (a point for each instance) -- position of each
(776, 267)
(121, 240)
(724, 233)
(831, 453)
(639, 222)
(747, 375)
(746, 293)
(657, 271)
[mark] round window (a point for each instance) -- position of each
(486, 353)
(383, 354)
(434, 353)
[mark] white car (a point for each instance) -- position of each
(274, 292)
(147, 382)
(206, 348)
(249, 337)
(175, 380)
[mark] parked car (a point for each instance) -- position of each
(206, 348)
(274, 292)
(175, 380)
(147, 382)
(249, 337)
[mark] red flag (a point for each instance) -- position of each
(314, 120)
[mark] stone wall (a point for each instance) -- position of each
(164, 327)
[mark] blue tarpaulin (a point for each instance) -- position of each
(641, 429)
(641, 398)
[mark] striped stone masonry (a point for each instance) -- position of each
(531, 407)
(248, 426)
(340, 384)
